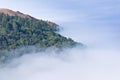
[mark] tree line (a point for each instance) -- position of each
(16, 32)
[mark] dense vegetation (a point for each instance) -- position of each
(17, 32)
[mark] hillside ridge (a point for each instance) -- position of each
(14, 13)
(22, 15)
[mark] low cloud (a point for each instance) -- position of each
(70, 64)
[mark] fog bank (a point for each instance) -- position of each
(94, 23)
(71, 64)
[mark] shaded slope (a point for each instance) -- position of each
(23, 30)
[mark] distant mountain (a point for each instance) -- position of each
(21, 30)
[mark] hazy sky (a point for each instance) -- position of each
(89, 18)
(96, 19)
(67, 9)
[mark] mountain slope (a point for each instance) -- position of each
(18, 30)
(13, 13)
(18, 13)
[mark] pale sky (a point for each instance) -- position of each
(67, 9)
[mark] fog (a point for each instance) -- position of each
(71, 64)
(99, 61)
(93, 23)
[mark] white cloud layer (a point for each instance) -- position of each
(74, 64)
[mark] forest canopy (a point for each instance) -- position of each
(16, 32)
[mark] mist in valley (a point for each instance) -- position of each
(93, 23)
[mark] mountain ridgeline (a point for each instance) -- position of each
(20, 30)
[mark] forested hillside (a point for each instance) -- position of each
(16, 31)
